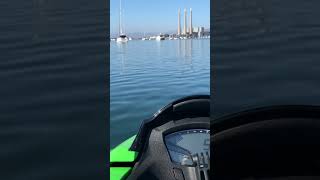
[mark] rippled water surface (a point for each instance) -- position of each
(52, 74)
(265, 53)
(146, 75)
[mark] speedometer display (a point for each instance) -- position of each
(184, 145)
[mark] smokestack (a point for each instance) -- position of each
(185, 22)
(179, 25)
(190, 31)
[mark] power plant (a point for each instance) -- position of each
(187, 31)
(184, 31)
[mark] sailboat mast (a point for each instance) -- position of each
(120, 19)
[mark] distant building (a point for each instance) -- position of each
(195, 29)
(200, 31)
(207, 33)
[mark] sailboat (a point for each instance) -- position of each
(122, 36)
(160, 37)
(144, 36)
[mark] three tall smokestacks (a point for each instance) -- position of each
(185, 29)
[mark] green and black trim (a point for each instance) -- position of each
(122, 160)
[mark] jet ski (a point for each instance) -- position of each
(173, 144)
(274, 142)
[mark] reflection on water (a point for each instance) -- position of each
(122, 53)
(52, 72)
(266, 53)
(185, 48)
(146, 75)
(184, 51)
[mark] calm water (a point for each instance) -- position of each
(266, 53)
(146, 75)
(52, 74)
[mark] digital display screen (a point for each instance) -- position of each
(184, 145)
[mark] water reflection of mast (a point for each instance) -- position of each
(122, 51)
(179, 48)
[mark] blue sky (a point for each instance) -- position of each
(157, 16)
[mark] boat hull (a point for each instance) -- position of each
(159, 39)
(122, 40)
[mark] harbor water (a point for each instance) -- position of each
(147, 75)
(52, 74)
(265, 53)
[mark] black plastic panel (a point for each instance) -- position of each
(267, 142)
(155, 162)
(188, 107)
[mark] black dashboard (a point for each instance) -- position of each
(177, 150)
(174, 144)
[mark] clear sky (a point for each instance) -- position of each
(157, 16)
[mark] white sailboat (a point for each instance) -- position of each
(144, 36)
(122, 36)
(160, 37)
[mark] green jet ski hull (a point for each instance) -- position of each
(120, 158)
